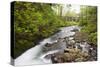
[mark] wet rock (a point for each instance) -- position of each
(70, 55)
(80, 36)
(74, 55)
(75, 30)
(73, 49)
(79, 59)
(71, 44)
(57, 58)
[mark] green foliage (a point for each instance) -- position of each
(88, 22)
(32, 23)
(93, 38)
(36, 21)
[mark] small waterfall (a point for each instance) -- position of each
(36, 55)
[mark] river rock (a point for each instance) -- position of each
(80, 37)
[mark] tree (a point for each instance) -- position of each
(88, 21)
(32, 23)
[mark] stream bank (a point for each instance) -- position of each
(68, 45)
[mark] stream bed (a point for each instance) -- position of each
(59, 48)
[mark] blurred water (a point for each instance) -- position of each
(36, 55)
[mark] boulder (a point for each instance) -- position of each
(81, 36)
(70, 55)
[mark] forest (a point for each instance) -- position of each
(34, 22)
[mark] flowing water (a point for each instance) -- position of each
(37, 54)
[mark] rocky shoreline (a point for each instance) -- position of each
(77, 50)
